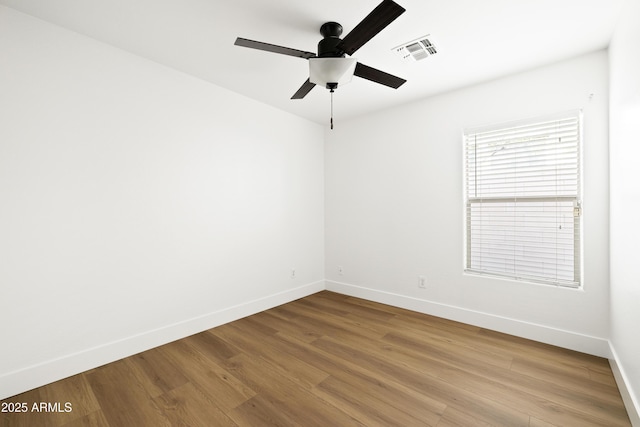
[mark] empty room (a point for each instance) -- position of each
(369, 213)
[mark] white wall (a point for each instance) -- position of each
(138, 204)
(394, 207)
(625, 201)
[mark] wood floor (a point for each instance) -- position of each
(332, 360)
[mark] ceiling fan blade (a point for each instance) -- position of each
(378, 76)
(273, 48)
(384, 14)
(304, 90)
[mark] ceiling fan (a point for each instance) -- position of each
(330, 67)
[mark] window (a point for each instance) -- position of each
(523, 200)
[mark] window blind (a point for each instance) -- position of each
(523, 200)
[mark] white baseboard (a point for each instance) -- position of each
(17, 382)
(558, 337)
(631, 402)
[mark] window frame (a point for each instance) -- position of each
(577, 200)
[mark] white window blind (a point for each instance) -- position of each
(523, 200)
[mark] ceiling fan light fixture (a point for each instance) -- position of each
(329, 72)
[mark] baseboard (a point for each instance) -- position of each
(17, 382)
(561, 338)
(631, 403)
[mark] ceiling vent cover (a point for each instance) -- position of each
(417, 49)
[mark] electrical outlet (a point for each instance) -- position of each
(340, 270)
(293, 273)
(422, 282)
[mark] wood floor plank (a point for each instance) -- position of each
(605, 378)
(212, 379)
(455, 417)
(430, 386)
(363, 405)
(564, 376)
(157, 372)
(537, 351)
(531, 403)
(259, 410)
(284, 325)
(79, 395)
(214, 347)
(316, 316)
(284, 393)
(124, 405)
(94, 419)
(323, 324)
(346, 307)
(24, 416)
(535, 422)
(186, 405)
(303, 373)
(352, 371)
(591, 398)
(336, 360)
(453, 353)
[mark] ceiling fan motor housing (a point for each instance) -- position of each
(328, 46)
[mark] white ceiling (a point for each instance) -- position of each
(478, 40)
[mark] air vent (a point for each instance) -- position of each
(417, 50)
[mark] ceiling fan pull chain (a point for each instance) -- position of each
(331, 91)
